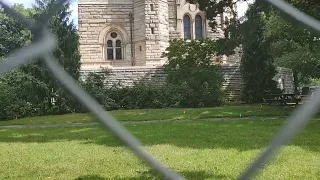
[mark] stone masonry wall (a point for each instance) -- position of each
(177, 9)
(157, 30)
(173, 22)
(285, 79)
(233, 84)
(96, 19)
(163, 26)
(139, 31)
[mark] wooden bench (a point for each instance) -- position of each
(283, 99)
(274, 98)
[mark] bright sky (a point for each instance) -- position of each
(242, 7)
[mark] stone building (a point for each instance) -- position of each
(129, 37)
(125, 33)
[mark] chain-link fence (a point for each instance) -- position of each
(45, 44)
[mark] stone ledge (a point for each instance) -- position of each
(98, 2)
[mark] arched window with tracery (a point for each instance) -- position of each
(118, 50)
(199, 27)
(187, 27)
(114, 47)
(109, 50)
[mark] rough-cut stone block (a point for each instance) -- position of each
(232, 86)
(97, 18)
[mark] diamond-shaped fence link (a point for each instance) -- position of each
(45, 44)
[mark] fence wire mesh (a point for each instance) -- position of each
(45, 44)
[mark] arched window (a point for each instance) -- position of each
(187, 27)
(199, 27)
(109, 50)
(118, 50)
(114, 48)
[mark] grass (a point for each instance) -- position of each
(198, 150)
(164, 114)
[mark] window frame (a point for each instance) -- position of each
(202, 26)
(114, 47)
(108, 47)
(193, 26)
(190, 27)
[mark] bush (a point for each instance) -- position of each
(11, 103)
(139, 96)
(193, 79)
(96, 85)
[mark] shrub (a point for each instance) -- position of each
(96, 85)
(11, 103)
(141, 95)
(193, 78)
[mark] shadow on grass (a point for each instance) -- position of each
(164, 114)
(240, 135)
(151, 174)
(90, 177)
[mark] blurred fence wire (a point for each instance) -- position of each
(45, 44)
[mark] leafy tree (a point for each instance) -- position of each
(16, 89)
(12, 34)
(294, 47)
(214, 9)
(13, 85)
(54, 99)
(32, 85)
(190, 68)
(257, 65)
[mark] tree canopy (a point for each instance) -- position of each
(32, 83)
(292, 45)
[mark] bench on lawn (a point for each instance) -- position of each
(283, 99)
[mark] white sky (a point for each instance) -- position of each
(242, 7)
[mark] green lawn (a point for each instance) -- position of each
(165, 114)
(198, 150)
